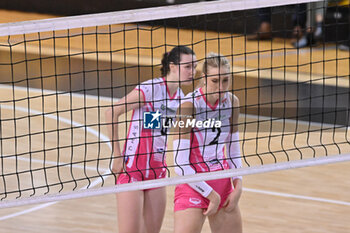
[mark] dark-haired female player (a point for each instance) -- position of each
(143, 156)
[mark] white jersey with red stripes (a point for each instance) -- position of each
(207, 144)
(144, 149)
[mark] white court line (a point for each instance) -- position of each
(62, 119)
(61, 164)
(26, 211)
(287, 195)
(60, 93)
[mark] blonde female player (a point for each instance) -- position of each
(143, 157)
(198, 149)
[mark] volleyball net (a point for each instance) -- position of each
(59, 76)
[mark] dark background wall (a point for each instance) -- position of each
(236, 22)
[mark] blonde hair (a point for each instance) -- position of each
(215, 60)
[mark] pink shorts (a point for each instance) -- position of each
(186, 197)
(135, 176)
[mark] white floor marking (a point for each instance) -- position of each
(287, 195)
(90, 130)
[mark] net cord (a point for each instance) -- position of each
(177, 180)
(139, 15)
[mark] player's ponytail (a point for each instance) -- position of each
(174, 56)
(165, 64)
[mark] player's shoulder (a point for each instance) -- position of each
(154, 81)
(233, 98)
(151, 85)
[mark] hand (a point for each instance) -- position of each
(232, 200)
(214, 203)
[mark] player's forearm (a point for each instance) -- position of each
(112, 125)
(234, 152)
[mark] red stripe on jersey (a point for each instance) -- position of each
(196, 157)
(150, 104)
(167, 90)
(144, 148)
(207, 102)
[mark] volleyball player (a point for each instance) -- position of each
(198, 150)
(143, 156)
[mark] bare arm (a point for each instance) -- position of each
(234, 157)
(235, 114)
(134, 100)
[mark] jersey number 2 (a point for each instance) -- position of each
(216, 139)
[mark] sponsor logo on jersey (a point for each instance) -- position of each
(151, 120)
(160, 150)
(195, 201)
(214, 161)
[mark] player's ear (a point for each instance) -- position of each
(173, 67)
